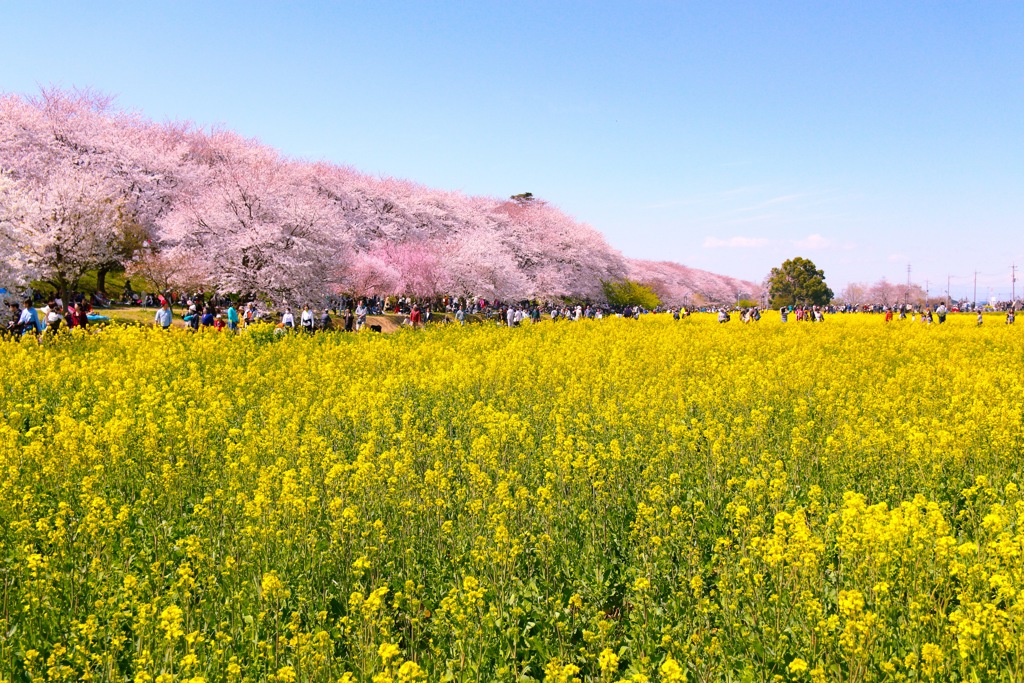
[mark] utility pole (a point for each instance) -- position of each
(1013, 282)
(948, 277)
(906, 292)
(975, 290)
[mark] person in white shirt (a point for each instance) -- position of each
(288, 320)
(306, 319)
(360, 315)
(53, 319)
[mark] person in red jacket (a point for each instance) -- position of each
(415, 317)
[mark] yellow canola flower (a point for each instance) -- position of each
(638, 500)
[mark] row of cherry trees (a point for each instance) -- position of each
(86, 187)
(884, 293)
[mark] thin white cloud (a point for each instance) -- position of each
(817, 242)
(735, 243)
(784, 199)
(813, 242)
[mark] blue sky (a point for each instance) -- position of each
(726, 136)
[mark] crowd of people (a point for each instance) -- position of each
(201, 311)
(927, 315)
(50, 318)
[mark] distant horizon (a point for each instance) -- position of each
(724, 138)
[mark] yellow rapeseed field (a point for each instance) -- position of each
(649, 500)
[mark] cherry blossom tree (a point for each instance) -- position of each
(882, 293)
(66, 226)
(481, 265)
(678, 285)
(97, 183)
(256, 220)
(97, 178)
(14, 270)
(560, 256)
(167, 272)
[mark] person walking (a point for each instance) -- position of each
(306, 320)
(163, 316)
(288, 320)
(233, 318)
(360, 315)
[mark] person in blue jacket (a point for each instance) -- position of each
(29, 320)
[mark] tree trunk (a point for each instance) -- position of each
(101, 280)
